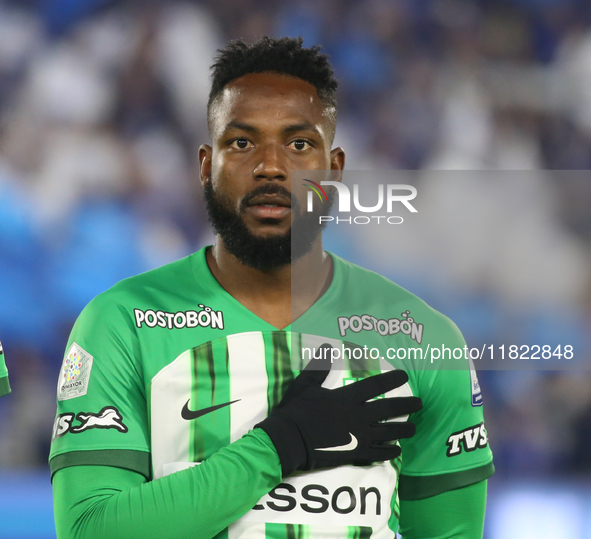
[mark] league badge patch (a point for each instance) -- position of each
(74, 374)
(474, 386)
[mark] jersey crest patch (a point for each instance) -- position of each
(74, 374)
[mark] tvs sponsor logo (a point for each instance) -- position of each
(108, 418)
(344, 196)
(365, 322)
(207, 317)
(62, 425)
(469, 439)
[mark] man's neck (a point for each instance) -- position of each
(278, 296)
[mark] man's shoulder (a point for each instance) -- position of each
(169, 278)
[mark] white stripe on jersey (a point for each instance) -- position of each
(170, 432)
(248, 382)
(246, 530)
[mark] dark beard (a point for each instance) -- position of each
(264, 254)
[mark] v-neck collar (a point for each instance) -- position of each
(202, 271)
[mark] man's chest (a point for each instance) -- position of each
(211, 395)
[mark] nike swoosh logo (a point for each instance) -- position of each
(347, 447)
(194, 414)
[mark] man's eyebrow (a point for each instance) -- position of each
(304, 126)
(235, 124)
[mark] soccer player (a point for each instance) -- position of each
(194, 400)
(4, 384)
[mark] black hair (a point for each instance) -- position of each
(284, 56)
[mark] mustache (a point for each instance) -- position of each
(269, 189)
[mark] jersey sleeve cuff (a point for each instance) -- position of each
(4, 386)
(129, 459)
(419, 487)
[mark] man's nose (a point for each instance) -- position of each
(271, 165)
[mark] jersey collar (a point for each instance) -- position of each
(210, 283)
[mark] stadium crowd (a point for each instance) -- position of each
(102, 106)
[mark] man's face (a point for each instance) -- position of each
(265, 125)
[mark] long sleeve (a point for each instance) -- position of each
(94, 502)
(457, 514)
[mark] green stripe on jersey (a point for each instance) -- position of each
(283, 531)
(209, 389)
(418, 488)
(278, 364)
(137, 461)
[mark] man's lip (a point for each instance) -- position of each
(262, 200)
(268, 212)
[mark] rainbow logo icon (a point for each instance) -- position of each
(317, 189)
(72, 367)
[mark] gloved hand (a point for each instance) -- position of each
(313, 427)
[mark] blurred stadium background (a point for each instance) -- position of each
(102, 105)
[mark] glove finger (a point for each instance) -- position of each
(314, 373)
(376, 385)
(378, 453)
(389, 432)
(317, 368)
(392, 407)
(362, 463)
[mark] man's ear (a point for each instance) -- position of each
(337, 164)
(204, 163)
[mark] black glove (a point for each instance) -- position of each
(313, 427)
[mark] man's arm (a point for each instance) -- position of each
(457, 514)
(4, 384)
(104, 501)
(94, 501)
(442, 485)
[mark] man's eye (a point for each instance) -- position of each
(300, 144)
(240, 143)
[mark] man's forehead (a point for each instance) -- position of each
(254, 94)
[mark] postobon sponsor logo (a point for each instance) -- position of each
(207, 317)
(366, 322)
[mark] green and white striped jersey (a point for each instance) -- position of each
(166, 368)
(4, 385)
